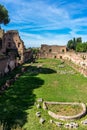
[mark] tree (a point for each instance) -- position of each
(74, 43)
(70, 44)
(81, 47)
(79, 40)
(4, 17)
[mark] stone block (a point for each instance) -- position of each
(42, 120)
(38, 114)
(38, 106)
(40, 100)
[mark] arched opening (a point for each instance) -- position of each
(50, 50)
(60, 57)
(55, 57)
(63, 50)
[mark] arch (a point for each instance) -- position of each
(60, 57)
(50, 50)
(55, 57)
(63, 50)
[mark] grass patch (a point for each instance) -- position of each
(17, 102)
(64, 110)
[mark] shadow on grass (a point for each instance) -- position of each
(34, 70)
(16, 100)
(19, 97)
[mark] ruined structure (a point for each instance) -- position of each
(55, 51)
(52, 51)
(12, 51)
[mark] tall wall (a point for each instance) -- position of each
(12, 51)
(3, 64)
(12, 40)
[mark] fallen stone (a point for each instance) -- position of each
(8, 83)
(51, 121)
(58, 124)
(40, 100)
(71, 125)
(84, 122)
(17, 76)
(42, 120)
(66, 125)
(38, 114)
(44, 106)
(38, 106)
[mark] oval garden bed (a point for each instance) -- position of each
(65, 111)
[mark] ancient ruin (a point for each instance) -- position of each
(12, 51)
(52, 51)
(55, 51)
(63, 117)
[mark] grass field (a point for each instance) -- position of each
(49, 79)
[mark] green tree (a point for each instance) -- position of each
(79, 40)
(81, 47)
(4, 17)
(74, 43)
(70, 44)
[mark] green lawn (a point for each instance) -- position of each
(49, 79)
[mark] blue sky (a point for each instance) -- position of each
(47, 21)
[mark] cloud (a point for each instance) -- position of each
(47, 21)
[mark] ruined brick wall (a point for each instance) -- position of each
(12, 40)
(3, 64)
(6, 65)
(52, 51)
(13, 45)
(28, 55)
(12, 51)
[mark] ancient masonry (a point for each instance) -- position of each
(55, 51)
(12, 51)
(52, 51)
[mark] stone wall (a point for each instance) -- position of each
(52, 51)
(12, 42)
(7, 65)
(12, 51)
(79, 60)
(56, 116)
(3, 64)
(13, 46)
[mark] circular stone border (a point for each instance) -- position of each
(56, 116)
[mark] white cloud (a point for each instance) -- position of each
(37, 16)
(36, 40)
